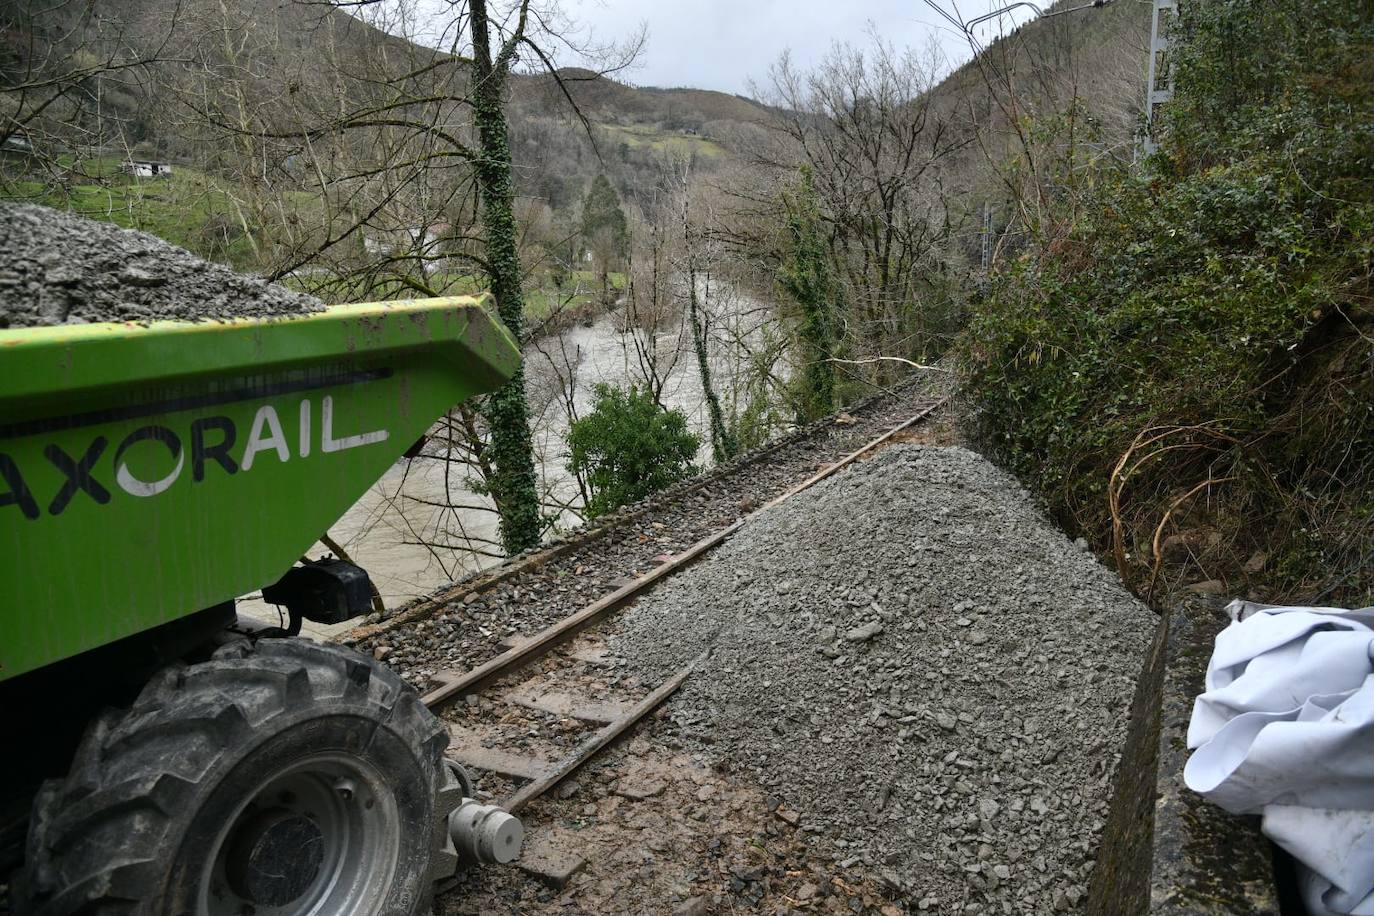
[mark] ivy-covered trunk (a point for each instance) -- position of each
(805, 276)
(513, 484)
(723, 443)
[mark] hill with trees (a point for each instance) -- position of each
(1181, 356)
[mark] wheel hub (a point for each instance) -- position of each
(319, 837)
(274, 857)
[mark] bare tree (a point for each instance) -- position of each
(650, 320)
(867, 128)
(1041, 107)
(409, 150)
(73, 86)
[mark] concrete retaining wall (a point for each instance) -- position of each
(1165, 851)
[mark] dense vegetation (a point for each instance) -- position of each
(628, 447)
(1186, 369)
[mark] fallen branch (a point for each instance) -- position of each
(1159, 530)
(877, 359)
(1121, 473)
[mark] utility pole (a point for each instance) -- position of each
(1159, 82)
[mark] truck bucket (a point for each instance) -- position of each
(149, 471)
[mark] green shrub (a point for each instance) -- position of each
(628, 447)
(1211, 314)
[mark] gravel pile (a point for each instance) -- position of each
(922, 670)
(60, 268)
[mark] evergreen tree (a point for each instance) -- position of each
(605, 231)
(628, 447)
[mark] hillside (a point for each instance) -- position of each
(229, 84)
(292, 62)
(1095, 57)
(1037, 106)
(1179, 358)
(304, 54)
(608, 101)
(632, 130)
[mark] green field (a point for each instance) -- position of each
(639, 137)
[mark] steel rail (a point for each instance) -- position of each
(485, 580)
(450, 686)
(594, 744)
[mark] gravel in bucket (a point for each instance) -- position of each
(57, 267)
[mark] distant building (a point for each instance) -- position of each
(146, 168)
(16, 143)
(430, 235)
(16, 155)
(409, 241)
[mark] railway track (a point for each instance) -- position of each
(529, 718)
(461, 627)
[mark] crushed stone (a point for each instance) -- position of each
(57, 267)
(922, 667)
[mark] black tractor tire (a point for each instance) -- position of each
(280, 754)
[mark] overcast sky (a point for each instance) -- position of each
(723, 44)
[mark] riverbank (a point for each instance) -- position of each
(424, 525)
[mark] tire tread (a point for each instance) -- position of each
(136, 770)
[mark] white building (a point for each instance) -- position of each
(143, 168)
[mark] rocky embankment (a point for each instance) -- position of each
(466, 624)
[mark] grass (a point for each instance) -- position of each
(640, 137)
(542, 298)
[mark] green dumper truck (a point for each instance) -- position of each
(165, 755)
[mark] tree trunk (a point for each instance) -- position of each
(513, 485)
(723, 444)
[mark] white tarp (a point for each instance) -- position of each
(1285, 729)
